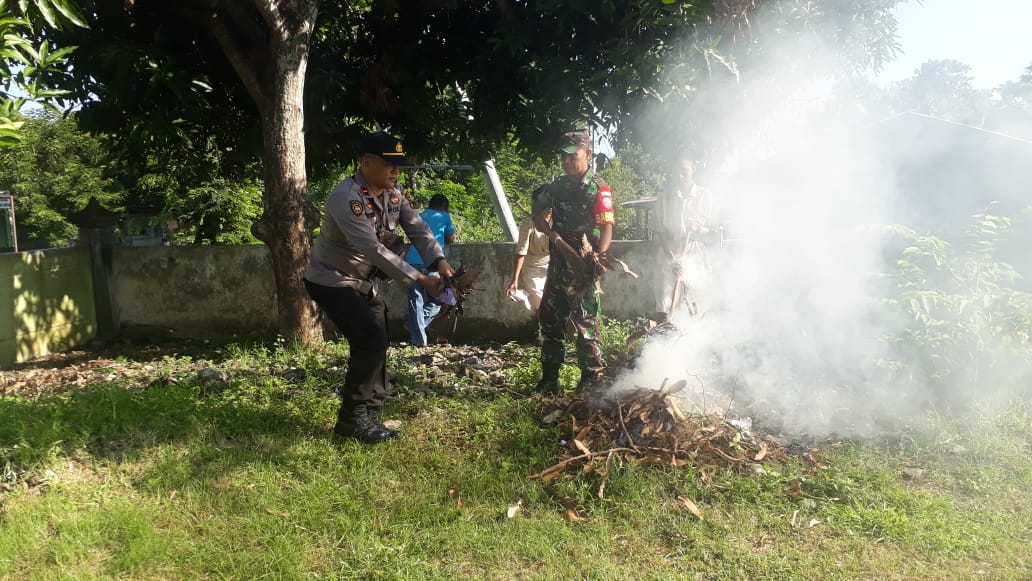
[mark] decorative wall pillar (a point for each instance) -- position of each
(97, 232)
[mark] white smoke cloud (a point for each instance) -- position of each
(789, 326)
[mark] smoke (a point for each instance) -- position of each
(790, 327)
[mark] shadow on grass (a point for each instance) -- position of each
(108, 422)
(137, 351)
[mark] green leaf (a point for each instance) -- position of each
(50, 93)
(48, 13)
(69, 11)
(13, 55)
(12, 21)
(59, 54)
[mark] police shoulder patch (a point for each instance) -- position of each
(356, 207)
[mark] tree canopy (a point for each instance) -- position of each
(456, 79)
(943, 88)
(54, 169)
(292, 83)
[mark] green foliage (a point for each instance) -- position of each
(471, 206)
(521, 171)
(54, 170)
(217, 212)
(205, 192)
(1011, 110)
(943, 88)
(633, 174)
(969, 328)
(460, 81)
(30, 62)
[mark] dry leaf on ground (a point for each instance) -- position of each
(278, 513)
(514, 508)
(691, 506)
(572, 516)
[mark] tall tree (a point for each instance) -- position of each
(943, 88)
(1012, 107)
(54, 169)
(266, 44)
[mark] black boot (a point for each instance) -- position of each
(588, 380)
(355, 422)
(549, 384)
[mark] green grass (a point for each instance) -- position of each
(180, 481)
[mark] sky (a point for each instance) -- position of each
(992, 36)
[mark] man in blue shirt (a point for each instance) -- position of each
(422, 308)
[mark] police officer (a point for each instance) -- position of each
(580, 202)
(351, 252)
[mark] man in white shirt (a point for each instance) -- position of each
(684, 221)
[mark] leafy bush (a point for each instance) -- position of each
(968, 326)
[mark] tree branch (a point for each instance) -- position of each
(270, 11)
(240, 35)
(287, 18)
(245, 43)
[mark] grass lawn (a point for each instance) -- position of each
(145, 471)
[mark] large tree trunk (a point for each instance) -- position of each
(289, 218)
(271, 61)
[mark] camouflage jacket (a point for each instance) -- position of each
(578, 206)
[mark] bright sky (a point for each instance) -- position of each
(993, 36)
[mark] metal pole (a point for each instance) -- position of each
(501, 204)
(14, 226)
(439, 166)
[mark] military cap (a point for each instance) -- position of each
(571, 140)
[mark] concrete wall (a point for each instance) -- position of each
(194, 291)
(218, 291)
(490, 315)
(48, 304)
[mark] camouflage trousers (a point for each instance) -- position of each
(558, 306)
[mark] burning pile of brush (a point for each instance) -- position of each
(650, 426)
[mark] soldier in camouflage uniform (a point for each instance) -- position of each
(579, 201)
(357, 246)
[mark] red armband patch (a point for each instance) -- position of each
(603, 209)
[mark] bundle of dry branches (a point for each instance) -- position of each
(588, 266)
(649, 427)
